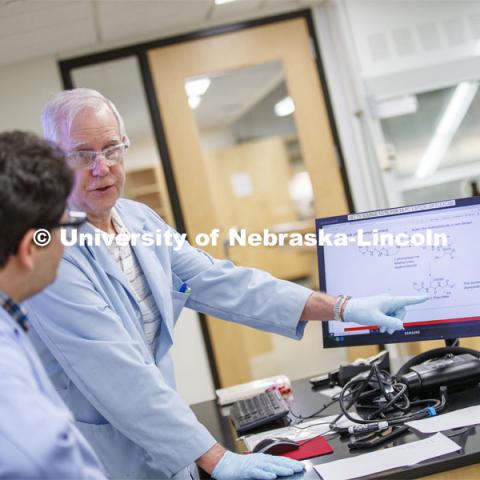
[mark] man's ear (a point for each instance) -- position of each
(26, 250)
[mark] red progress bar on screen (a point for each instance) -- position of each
(417, 324)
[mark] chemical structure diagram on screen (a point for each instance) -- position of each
(442, 251)
(437, 252)
(434, 287)
(379, 251)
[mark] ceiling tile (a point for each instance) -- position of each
(9, 8)
(46, 41)
(33, 28)
(120, 20)
(48, 15)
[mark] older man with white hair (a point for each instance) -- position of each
(105, 327)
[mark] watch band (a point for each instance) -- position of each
(342, 307)
(339, 307)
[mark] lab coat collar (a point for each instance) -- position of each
(135, 222)
(105, 259)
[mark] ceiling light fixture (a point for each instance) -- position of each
(194, 101)
(447, 128)
(284, 107)
(197, 87)
(222, 2)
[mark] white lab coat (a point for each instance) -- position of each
(38, 438)
(88, 330)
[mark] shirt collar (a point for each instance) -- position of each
(118, 223)
(14, 310)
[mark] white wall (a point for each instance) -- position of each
(192, 371)
(349, 107)
(400, 48)
(24, 88)
(396, 36)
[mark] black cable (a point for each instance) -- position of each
(308, 426)
(314, 414)
(395, 407)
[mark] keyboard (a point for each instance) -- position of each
(259, 410)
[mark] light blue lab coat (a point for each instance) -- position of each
(89, 332)
(38, 438)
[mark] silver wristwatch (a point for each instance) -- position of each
(339, 307)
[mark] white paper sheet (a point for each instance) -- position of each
(308, 429)
(382, 460)
(446, 421)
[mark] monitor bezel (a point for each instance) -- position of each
(438, 332)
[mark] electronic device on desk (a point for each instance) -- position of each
(276, 446)
(448, 274)
(344, 373)
(258, 411)
(454, 367)
(376, 439)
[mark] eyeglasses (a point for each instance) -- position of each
(72, 223)
(75, 219)
(88, 159)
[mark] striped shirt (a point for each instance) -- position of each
(126, 259)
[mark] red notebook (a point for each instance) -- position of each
(312, 447)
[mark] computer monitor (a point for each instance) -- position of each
(449, 274)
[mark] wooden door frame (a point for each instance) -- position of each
(140, 50)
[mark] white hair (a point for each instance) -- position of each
(60, 111)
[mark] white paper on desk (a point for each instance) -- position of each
(382, 460)
(308, 429)
(446, 421)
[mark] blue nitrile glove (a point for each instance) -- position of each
(384, 311)
(259, 466)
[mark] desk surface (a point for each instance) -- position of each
(306, 401)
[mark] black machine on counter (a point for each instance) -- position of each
(456, 368)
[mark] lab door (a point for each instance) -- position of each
(251, 148)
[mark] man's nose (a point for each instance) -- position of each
(100, 166)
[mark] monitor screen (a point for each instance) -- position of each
(430, 249)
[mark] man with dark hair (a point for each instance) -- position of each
(37, 436)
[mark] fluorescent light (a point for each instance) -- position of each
(194, 101)
(447, 128)
(284, 107)
(197, 87)
(221, 2)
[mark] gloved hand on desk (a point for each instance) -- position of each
(259, 466)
